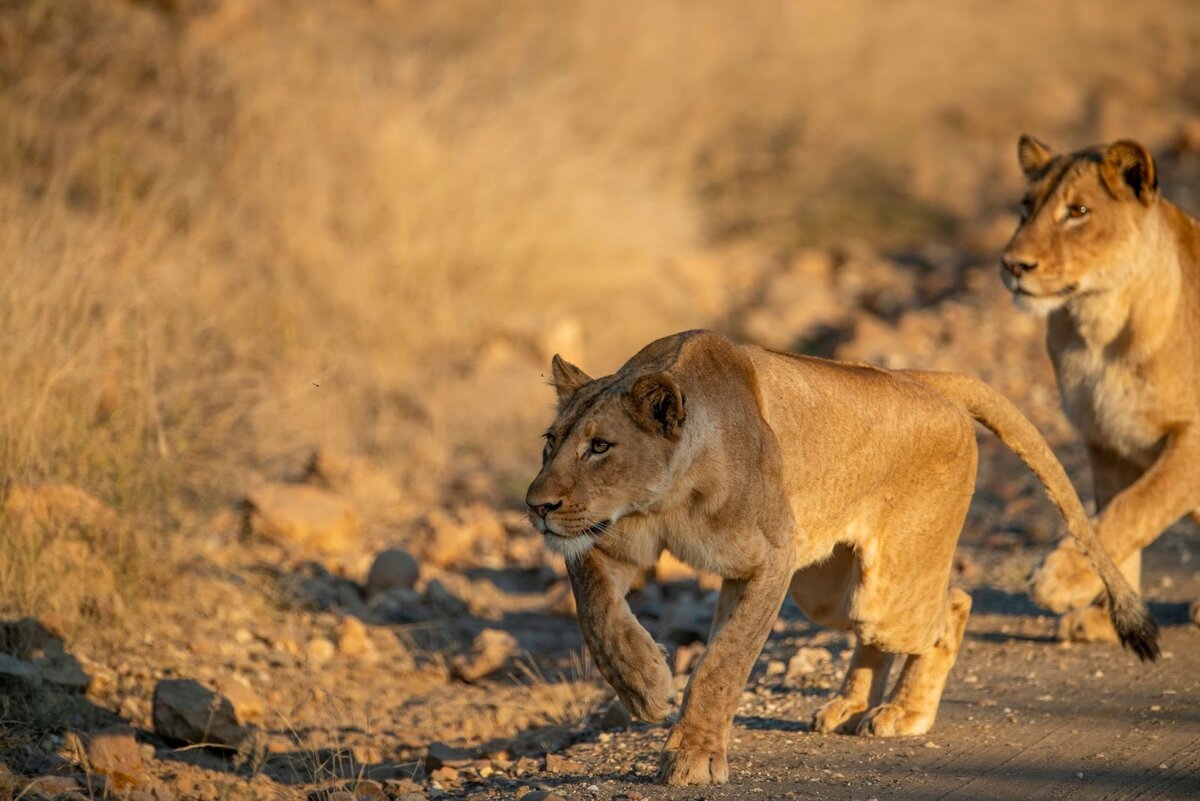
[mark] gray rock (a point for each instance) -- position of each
(184, 710)
(18, 671)
(392, 569)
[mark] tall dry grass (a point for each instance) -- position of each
(232, 230)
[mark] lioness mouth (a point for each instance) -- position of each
(1069, 289)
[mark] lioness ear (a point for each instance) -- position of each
(1129, 167)
(656, 403)
(567, 378)
(1032, 155)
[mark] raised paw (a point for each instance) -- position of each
(681, 766)
(836, 714)
(893, 720)
(1064, 580)
(647, 691)
(1090, 624)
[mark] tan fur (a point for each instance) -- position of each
(845, 485)
(1121, 285)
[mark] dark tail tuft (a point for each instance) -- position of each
(1136, 627)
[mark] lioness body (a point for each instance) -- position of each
(846, 485)
(1117, 269)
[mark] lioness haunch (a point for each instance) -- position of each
(843, 484)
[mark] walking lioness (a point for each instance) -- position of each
(1116, 267)
(843, 484)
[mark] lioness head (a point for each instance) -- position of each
(1080, 220)
(608, 453)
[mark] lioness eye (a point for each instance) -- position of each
(1077, 211)
(599, 446)
(1026, 208)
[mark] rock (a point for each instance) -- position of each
(352, 638)
(448, 538)
(64, 672)
(686, 658)
(184, 710)
(51, 786)
(392, 569)
(55, 506)
(114, 753)
(353, 477)
(443, 600)
(542, 795)
(19, 672)
(441, 755)
(776, 667)
(444, 775)
(341, 795)
(248, 705)
(296, 514)
(806, 662)
(490, 651)
(561, 764)
(320, 651)
(614, 717)
(685, 621)
(368, 790)
(410, 796)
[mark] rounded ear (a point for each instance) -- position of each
(1033, 156)
(567, 378)
(657, 404)
(1128, 168)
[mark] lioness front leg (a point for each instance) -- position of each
(695, 749)
(913, 705)
(862, 688)
(627, 656)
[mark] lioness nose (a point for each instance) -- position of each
(1018, 266)
(543, 509)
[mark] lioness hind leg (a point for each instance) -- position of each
(1093, 623)
(862, 688)
(913, 705)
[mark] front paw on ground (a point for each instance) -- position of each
(838, 713)
(682, 766)
(1090, 624)
(893, 720)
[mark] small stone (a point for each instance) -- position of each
(805, 663)
(441, 755)
(320, 651)
(542, 795)
(490, 651)
(776, 667)
(247, 704)
(353, 639)
(13, 670)
(65, 672)
(51, 786)
(614, 717)
(560, 764)
(114, 753)
(184, 710)
(297, 514)
(445, 775)
(392, 569)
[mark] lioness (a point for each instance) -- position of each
(1116, 267)
(843, 484)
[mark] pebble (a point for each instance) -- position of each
(392, 569)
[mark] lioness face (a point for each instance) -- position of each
(607, 455)
(1080, 222)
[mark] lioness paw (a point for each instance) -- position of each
(647, 693)
(1090, 624)
(682, 766)
(836, 714)
(1065, 580)
(893, 720)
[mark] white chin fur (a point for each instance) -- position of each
(1038, 306)
(570, 547)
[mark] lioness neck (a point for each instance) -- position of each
(1133, 317)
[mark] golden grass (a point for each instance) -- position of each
(231, 231)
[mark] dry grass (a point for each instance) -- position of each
(230, 231)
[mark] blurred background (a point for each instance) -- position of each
(240, 237)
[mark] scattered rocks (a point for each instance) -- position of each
(490, 651)
(114, 753)
(184, 710)
(320, 651)
(354, 477)
(448, 537)
(248, 705)
(297, 514)
(561, 764)
(441, 755)
(353, 639)
(392, 569)
(805, 663)
(541, 795)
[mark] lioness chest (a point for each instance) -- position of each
(1112, 404)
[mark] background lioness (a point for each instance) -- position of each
(1116, 267)
(843, 484)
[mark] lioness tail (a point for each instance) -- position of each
(1135, 626)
